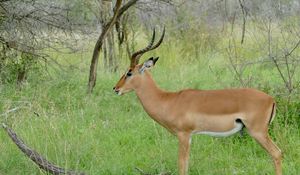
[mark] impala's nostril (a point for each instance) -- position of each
(114, 88)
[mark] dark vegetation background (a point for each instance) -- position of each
(46, 49)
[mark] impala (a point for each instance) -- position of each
(213, 112)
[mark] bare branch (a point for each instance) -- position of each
(43, 163)
(126, 7)
(244, 12)
(293, 49)
(11, 110)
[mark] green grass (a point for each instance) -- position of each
(103, 133)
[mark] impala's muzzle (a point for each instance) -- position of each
(117, 91)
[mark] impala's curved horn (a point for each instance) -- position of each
(160, 40)
(139, 53)
(136, 56)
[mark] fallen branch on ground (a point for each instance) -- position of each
(11, 110)
(43, 163)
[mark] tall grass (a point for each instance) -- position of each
(106, 134)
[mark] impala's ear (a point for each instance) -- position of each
(148, 64)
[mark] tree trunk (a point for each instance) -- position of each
(93, 67)
(105, 59)
(21, 77)
(111, 52)
(98, 46)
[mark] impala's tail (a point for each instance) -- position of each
(273, 113)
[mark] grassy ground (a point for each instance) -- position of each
(107, 134)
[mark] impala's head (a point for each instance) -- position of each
(135, 73)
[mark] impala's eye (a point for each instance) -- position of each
(128, 74)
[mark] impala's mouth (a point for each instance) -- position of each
(117, 91)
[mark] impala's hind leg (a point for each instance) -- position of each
(266, 142)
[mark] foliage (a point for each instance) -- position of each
(12, 63)
(106, 134)
(102, 133)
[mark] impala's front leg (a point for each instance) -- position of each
(183, 152)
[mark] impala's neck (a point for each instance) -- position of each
(152, 98)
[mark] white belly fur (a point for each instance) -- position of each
(237, 128)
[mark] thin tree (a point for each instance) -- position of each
(118, 12)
